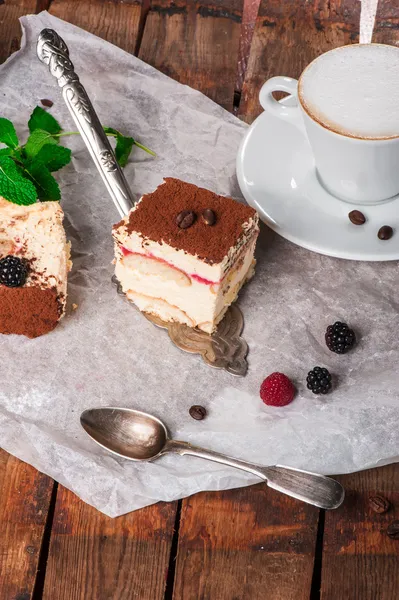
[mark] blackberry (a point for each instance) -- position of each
(340, 338)
(13, 271)
(319, 380)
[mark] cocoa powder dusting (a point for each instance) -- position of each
(155, 218)
(29, 310)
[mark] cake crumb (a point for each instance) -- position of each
(74, 306)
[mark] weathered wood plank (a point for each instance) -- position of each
(250, 13)
(359, 559)
(93, 557)
(113, 20)
(288, 35)
(25, 493)
(231, 544)
(386, 29)
(196, 43)
(252, 543)
(10, 30)
(24, 502)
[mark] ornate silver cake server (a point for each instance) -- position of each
(224, 349)
(52, 50)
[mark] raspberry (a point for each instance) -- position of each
(277, 390)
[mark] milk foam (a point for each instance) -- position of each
(354, 90)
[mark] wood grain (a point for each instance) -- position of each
(10, 29)
(360, 562)
(24, 502)
(386, 28)
(94, 557)
(236, 545)
(231, 544)
(25, 493)
(196, 43)
(288, 35)
(112, 20)
(252, 544)
(250, 12)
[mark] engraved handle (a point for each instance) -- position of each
(52, 51)
(311, 488)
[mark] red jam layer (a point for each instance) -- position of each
(197, 278)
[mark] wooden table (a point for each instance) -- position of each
(251, 543)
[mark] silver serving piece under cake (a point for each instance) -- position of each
(224, 349)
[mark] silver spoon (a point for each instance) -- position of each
(138, 436)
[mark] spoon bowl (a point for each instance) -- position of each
(128, 433)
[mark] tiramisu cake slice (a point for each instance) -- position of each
(183, 253)
(34, 262)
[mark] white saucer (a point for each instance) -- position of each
(277, 176)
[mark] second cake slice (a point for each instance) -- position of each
(183, 253)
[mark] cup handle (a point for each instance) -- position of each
(278, 109)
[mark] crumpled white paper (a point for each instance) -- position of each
(106, 353)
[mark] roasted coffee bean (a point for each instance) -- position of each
(46, 102)
(379, 504)
(385, 233)
(357, 217)
(393, 530)
(197, 412)
(209, 216)
(185, 219)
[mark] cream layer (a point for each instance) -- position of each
(186, 295)
(36, 233)
(189, 263)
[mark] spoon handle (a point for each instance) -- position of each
(312, 488)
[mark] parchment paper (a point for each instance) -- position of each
(106, 353)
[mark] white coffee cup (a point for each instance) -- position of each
(348, 100)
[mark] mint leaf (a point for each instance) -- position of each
(123, 149)
(8, 134)
(124, 145)
(54, 157)
(13, 186)
(36, 141)
(40, 119)
(5, 151)
(45, 184)
(112, 131)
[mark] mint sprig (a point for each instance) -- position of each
(124, 145)
(25, 170)
(54, 157)
(5, 151)
(13, 185)
(37, 140)
(8, 135)
(41, 119)
(46, 186)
